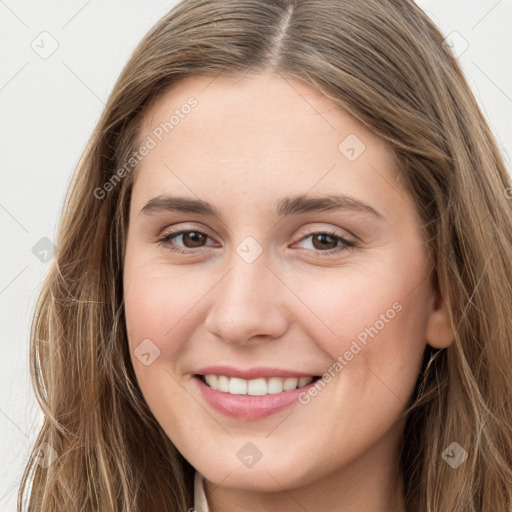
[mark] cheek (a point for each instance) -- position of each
(157, 296)
(153, 311)
(152, 308)
(372, 321)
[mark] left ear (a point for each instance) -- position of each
(439, 330)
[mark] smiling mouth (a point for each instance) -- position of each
(255, 387)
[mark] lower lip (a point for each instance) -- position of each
(247, 406)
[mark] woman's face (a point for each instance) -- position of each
(256, 179)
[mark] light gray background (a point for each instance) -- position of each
(49, 106)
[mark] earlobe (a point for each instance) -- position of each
(439, 330)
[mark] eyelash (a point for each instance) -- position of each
(349, 244)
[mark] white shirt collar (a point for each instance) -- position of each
(200, 503)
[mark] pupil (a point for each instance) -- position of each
(194, 236)
(322, 237)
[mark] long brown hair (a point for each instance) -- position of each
(384, 62)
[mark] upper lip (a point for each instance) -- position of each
(251, 373)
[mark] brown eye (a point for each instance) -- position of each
(190, 240)
(326, 242)
(195, 238)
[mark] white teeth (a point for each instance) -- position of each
(237, 386)
(212, 380)
(274, 385)
(255, 387)
(223, 383)
(290, 383)
(304, 380)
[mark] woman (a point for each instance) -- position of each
(221, 353)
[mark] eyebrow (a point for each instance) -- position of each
(284, 207)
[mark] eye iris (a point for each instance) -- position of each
(322, 245)
(195, 236)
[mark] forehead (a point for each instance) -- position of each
(259, 132)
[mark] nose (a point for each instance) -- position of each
(249, 301)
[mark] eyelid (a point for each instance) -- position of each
(302, 234)
(319, 228)
(347, 243)
(312, 229)
(184, 227)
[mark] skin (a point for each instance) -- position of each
(249, 142)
